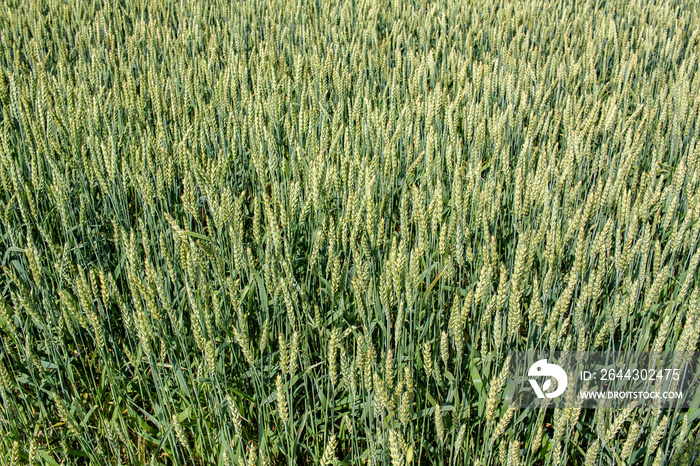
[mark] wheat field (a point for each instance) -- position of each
(270, 232)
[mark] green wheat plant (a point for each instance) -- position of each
(268, 232)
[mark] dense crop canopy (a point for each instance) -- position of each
(271, 232)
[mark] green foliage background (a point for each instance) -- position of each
(276, 232)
